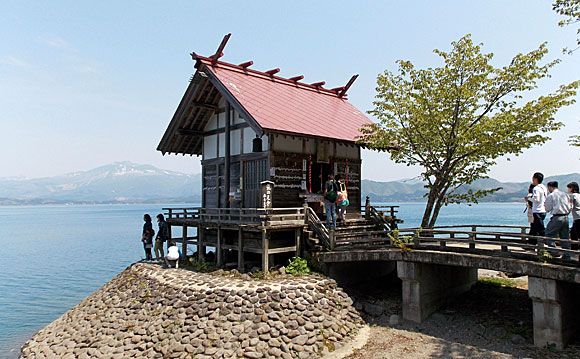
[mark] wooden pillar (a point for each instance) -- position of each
(240, 250)
(265, 250)
(184, 243)
(200, 243)
(218, 248)
(298, 244)
(368, 208)
(227, 156)
(331, 238)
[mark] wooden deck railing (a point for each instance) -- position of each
(256, 216)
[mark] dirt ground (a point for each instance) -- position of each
(493, 320)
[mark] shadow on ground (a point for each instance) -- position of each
(490, 321)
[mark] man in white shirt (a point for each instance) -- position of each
(538, 199)
(559, 204)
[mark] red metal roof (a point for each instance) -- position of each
(285, 105)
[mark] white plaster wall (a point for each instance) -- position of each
(212, 123)
(235, 142)
(209, 147)
(265, 143)
(222, 145)
(249, 135)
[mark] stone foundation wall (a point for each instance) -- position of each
(150, 312)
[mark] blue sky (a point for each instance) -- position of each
(84, 84)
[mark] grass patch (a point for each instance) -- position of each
(502, 282)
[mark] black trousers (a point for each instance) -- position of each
(537, 228)
(575, 234)
(148, 254)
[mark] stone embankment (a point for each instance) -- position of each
(151, 312)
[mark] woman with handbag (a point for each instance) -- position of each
(147, 237)
(341, 199)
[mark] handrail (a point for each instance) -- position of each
(316, 224)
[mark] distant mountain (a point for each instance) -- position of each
(126, 182)
(413, 190)
(121, 182)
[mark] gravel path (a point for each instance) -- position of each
(490, 321)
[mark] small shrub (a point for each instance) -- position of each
(198, 266)
(405, 242)
(297, 265)
(544, 256)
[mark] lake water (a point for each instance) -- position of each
(51, 257)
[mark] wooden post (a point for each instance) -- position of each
(442, 242)
(265, 244)
(227, 156)
(368, 208)
(472, 240)
(331, 238)
(184, 243)
(503, 247)
(240, 250)
(218, 247)
(298, 244)
(200, 243)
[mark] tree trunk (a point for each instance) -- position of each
(436, 210)
(429, 207)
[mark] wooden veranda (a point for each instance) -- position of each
(270, 231)
(244, 230)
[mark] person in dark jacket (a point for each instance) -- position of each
(147, 237)
(162, 236)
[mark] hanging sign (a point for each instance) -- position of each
(267, 193)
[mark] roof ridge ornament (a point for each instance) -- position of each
(219, 53)
(342, 91)
(273, 71)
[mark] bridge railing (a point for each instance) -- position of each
(493, 240)
(467, 238)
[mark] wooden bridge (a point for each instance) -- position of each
(437, 264)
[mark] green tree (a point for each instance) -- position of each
(571, 10)
(456, 120)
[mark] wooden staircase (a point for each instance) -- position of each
(369, 229)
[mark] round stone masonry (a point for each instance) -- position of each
(151, 312)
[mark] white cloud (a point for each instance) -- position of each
(13, 61)
(55, 41)
(86, 69)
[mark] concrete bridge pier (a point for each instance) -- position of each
(556, 310)
(427, 286)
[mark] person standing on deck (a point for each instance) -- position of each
(147, 237)
(330, 194)
(559, 204)
(162, 236)
(342, 198)
(573, 192)
(538, 199)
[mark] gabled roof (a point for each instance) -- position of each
(267, 102)
(280, 104)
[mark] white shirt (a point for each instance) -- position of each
(575, 199)
(172, 253)
(558, 202)
(538, 198)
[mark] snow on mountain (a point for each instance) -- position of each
(120, 180)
